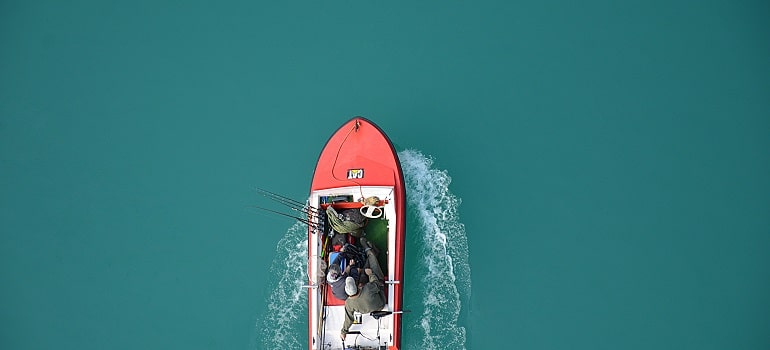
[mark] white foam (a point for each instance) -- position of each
(279, 328)
(444, 251)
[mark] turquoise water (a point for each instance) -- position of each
(608, 165)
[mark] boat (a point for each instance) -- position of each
(357, 181)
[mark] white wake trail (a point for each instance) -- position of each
(288, 300)
(444, 282)
(443, 250)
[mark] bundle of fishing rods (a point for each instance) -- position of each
(305, 210)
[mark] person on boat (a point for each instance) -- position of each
(336, 276)
(364, 298)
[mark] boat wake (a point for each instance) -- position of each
(438, 278)
(287, 306)
(434, 228)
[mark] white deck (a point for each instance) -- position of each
(329, 337)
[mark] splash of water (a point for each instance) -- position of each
(288, 300)
(443, 249)
(444, 280)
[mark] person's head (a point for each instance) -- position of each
(334, 273)
(351, 288)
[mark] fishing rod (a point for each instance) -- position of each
(279, 198)
(283, 199)
(304, 209)
(302, 220)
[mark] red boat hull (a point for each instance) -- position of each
(360, 154)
